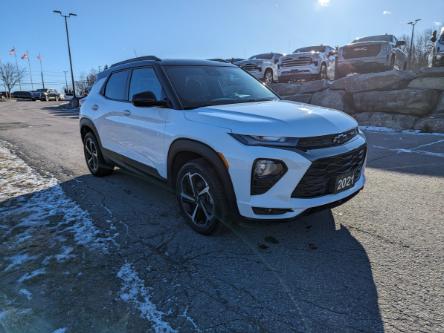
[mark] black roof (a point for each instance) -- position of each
(149, 60)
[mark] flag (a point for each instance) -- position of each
(24, 56)
(12, 51)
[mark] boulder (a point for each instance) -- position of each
(286, 89)
(314, 86)
(304, 98)
(417, 102)
(428, 83)
(430, 72)
(440, 106)
(382, 119)
(430, 124)
(374, 81)
(329, 98)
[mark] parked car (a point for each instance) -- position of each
(262, 66)
(371, 54)
(436, 56)
(314, 62)
(22, 95)
(45, 95)
(229, 147)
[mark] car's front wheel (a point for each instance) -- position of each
(93, 156)
(201, 197)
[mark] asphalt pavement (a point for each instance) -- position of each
(86, 254)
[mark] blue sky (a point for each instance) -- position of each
(108, 31)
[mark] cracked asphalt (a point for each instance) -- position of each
(374, 264)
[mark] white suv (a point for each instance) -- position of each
(229, 146)
(262, 66)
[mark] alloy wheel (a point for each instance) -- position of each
(196, 199)
(92, 158)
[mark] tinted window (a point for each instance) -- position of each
(212, 85)
(311, 49)
(145, 79)
(381, 38)
(116, 86)
(265, 56)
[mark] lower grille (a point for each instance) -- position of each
(320, 177)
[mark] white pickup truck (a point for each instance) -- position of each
(313, 62)
(262, 66)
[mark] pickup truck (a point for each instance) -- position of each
(262, 66)
(436, 56)
(45, 95)
(313, 62)
(371, 54)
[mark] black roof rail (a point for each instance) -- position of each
(150, 57)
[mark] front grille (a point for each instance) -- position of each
(250, 67)
(293, 62)
(324, 141)
(361, 51)
(321, 175)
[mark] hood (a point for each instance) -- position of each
(301, 54)
(254, 62)
(274, 118)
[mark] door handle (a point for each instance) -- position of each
(95, 107)
(127, 113)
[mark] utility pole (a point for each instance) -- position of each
(39, 57)
(74, 101)
(29, 66)
(412, 23)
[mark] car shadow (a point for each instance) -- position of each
(306, 275)
(62, 110)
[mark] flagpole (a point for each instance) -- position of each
(30, 73)
(41, 71)
(17, 66)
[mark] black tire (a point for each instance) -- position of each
(201, 197)
(323, 72)
(268, 76)
(94, 158)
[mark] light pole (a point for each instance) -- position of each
(74, 101)
(412, 23)
(66, 81)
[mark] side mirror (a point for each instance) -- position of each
(146, 99)
(332, 53)
(433, 39)
(400, 43)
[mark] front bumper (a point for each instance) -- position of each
(280, 195)
(289, 73)
(363, 65)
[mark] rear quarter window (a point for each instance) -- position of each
(116, 87)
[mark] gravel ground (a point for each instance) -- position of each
(82, 254)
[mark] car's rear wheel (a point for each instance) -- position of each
(268, 76)
(201, 197)
(94, 158)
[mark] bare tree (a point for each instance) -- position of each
(86, 82)
(421, 48)
(10, 75)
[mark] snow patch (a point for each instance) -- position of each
(26, 293)
(60, 330)
(134, 291)
(33, 274)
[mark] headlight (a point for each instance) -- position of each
(266, 173)
(273, 141)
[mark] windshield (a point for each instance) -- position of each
(310, 49)
(381, 38)
(199, 86)
(265, 56)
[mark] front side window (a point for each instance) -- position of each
(265, 56)
(199, 86)
(145, 79)
(311, 49)
(116, 86)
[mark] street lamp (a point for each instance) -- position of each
(74, 101)
(412, 23)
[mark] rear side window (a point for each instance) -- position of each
(145, 79)
(116, 86)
